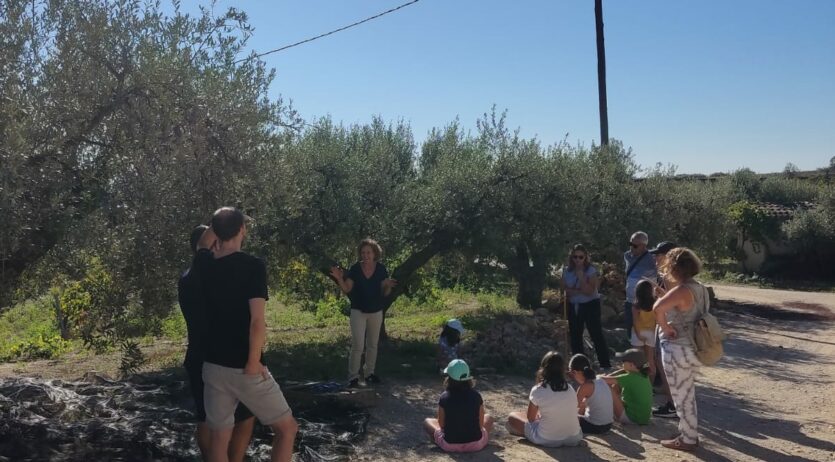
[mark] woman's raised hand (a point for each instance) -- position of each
(337, 273)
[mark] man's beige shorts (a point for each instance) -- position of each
(225, 386)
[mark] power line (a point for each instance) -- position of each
(328, 33)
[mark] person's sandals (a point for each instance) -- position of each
(679, 444)
(372, 379)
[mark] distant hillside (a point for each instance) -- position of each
(821, 173)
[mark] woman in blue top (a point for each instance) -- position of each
(580, 283)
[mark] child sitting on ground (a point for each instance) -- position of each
(631, 389)
(643, 336)
(551, 419)
(448, 342)
(462, 425)
(594, 397)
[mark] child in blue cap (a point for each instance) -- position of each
(461, 425)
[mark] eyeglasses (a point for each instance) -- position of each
(578, 257)
(634, 245)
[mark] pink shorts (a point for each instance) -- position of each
(472, 446)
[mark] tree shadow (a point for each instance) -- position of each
(625, 440)
(775, 363)
(759, 424)
(744, 352)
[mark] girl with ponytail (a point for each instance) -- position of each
(594, 398)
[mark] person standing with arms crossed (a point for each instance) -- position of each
(235, 289)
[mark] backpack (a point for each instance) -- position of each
(708, 334)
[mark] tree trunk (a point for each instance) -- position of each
(529, 270)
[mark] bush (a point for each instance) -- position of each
(332, 309)
(174, 326)
(95, 307)
(132, 358)
(44, 346)
(29, 331)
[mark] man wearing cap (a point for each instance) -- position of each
(639, 265)
(234, 286)
(668, 409)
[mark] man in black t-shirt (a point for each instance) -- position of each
(234, 287)
(190, 296)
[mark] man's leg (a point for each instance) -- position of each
(220, 403)
(627, 319)
(284, 430)
(218, 450)
(204, 440)
(241, 436)
(262, 395)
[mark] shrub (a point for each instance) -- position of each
(44, 346)
(174, 326)
(132, 358)
(94, 307)
(332, 309)
(28, 331)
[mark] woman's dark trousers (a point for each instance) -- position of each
(587, 316)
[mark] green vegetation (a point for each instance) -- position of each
(303, 344)
(28, 331)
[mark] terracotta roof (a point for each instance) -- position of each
(783, 211)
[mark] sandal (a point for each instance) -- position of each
(679, 444)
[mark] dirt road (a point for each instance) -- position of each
(771, 398)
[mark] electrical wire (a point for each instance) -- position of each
(328, 33)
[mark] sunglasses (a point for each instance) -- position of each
(633, 245)
(578, 257)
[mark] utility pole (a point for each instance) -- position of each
(601, 73)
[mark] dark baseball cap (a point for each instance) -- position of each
(634, 356)
(663, 247)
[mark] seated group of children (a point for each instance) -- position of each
(557, 414)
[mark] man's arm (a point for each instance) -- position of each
(257, 335)
(207, 240)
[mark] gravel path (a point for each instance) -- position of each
(771, 398)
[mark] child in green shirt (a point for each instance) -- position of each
(631, 389)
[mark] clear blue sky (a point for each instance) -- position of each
(709, 86)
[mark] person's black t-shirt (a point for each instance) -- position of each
(367, 293)
(228, 283)
(461, 412)
(190, 297)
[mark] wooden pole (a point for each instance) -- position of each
(601, 74)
